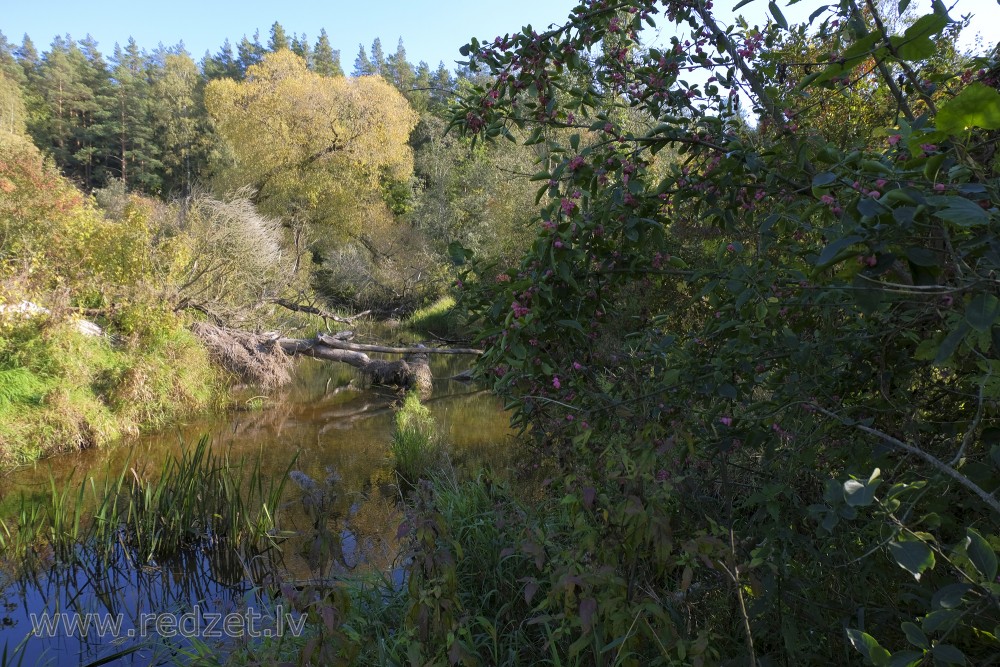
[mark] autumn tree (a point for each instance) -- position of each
(318, 151)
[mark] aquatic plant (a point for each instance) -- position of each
(200, 499)
(416, 446)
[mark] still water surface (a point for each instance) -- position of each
(331, 426)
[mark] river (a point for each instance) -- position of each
(333, 428)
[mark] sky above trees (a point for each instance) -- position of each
(432, 31)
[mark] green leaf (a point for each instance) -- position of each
(977, 105)
(824, 178)
(903, 4)
(906, 659)
(941, 620)
(779, 18)
(861, 494)
(742, 3)
(831, 251)
(950, 597)
(812, 17)
(960, 211)
(459, 254)
(922, 257)
(574, 141)
(914, 556)
(868, 646)
(950, 343)
(570, 324)
(982, 555)
(982, 312)
(915, 635)
(948, 654)
(916, 43)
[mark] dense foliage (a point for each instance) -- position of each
(765, 368)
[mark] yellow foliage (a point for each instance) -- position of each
(312, 147)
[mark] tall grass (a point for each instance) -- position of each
(201, 499)
(61, 390)
(416, 445)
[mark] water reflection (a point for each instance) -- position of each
(339, 431)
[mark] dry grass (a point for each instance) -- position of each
(255, 358)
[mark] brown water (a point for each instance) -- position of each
(331, 425)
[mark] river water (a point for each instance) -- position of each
(333, 428)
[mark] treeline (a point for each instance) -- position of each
(139, 117)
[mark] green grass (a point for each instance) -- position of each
(464, 584)
(61, 390)
(416, 445)
(439, 318)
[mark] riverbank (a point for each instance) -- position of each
(63, 390)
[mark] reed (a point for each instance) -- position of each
(199, 499)
(416, 446)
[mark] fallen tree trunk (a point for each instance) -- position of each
(411, 372)
(341, 343)
(262, 358)
(312, 310)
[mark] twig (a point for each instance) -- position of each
(941, 466)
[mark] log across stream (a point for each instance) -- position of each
(263, 358)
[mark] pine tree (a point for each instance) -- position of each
(134, 159)
(278, 40)
(8, 61)
(420, 92)
(180, 122)
(74, 87)
(222, 65)
(362, 64)
(378, 58)
(442, 85)
(399, 71)
(326, 60)
(300, 46)
(27, 54)
(249, 53)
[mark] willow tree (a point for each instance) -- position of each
(318, 151)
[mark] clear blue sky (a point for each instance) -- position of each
(431, 31)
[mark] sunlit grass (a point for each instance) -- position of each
(416, 445)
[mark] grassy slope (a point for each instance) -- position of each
(61, 390)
